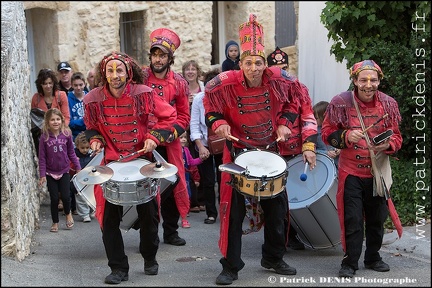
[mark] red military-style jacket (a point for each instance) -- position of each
(253, 115)
(340, 119)
(174, 89)
(122, 124)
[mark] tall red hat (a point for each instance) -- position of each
(251, 38)
(165, 39)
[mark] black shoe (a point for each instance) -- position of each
(295, 244)
(116, 277)
(280, 267)
(379, 266)
(346, 271)
(151, 267)
(226, 277)
(210, 220)
(175, 240)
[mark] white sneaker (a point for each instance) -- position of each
(87, 219)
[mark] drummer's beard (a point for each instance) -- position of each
(159, 69)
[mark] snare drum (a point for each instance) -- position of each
(265, 174)
(128, 186)
(312, 202)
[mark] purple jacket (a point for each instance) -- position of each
(56, 154)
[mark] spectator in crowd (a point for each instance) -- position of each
(211, 162)
(56, 152)
(192, 175)
(84, 154)
(232, 53)
(49, 96)
(76, 106)
(191, 71)
(91, 78)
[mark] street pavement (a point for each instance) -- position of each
(76, 258)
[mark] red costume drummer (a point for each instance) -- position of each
(356, 203)
(253, 105)
(116, 116)
(172, 87)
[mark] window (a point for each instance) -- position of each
(132, 35)
(286, 31)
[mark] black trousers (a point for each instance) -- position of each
(207, 170)
(56, 187)
(273, 249)
(169, 210)
(148, 220)
(364, 216)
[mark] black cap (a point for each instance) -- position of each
(64, 66)
(277, 57)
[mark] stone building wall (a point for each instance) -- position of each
(19, 196)
(85, 31)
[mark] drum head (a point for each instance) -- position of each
(127, 171)
(261, 163)
(303, 193)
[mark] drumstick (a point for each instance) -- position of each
(376, 122)
(303, 176)
(242, 142)
(274, 142)
(130, 155)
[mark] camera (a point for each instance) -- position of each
(378, 139)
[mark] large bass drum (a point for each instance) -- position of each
(312, 203)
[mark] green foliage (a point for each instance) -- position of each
(355, 26)
(396, 35)
(410, 191)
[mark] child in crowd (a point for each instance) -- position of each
(319, 110)
(83, 152)
(76, 111)
(56, 152)
(232, 53)
(76, 106)
(192, 177)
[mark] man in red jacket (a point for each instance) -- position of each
(361, 213)
(172, 87)
(116, 116)
(252, 104)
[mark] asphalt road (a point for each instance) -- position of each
(77, 258)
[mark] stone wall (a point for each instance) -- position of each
(19, 198)
(84, 31)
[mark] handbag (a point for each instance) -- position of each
(215, 143)
(381, 168)
(37, 121)
(382, 172)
